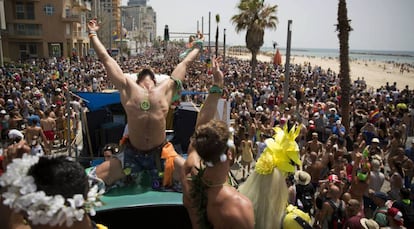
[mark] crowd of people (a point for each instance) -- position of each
(346, 178)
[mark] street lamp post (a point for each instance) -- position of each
(209, 32)
(110, 30)
(122, 35)
(2, 27)
(287, 65)
(224, 47)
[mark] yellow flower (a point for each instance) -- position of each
(282, 152)
(265, 164)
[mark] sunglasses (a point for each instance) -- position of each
(112, 149)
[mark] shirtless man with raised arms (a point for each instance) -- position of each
(146, 104)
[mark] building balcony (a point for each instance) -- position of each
(79, 35)
(29, 35)
(24, 31)
(70, 17)
(82, 4)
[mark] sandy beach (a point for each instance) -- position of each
(373, 72)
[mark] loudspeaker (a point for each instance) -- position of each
(94, 121)
(111, 133)
(185, 119)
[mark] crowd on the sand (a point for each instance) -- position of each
(338, 164)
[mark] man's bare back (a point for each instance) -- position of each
(48, 124)
(315, 168)
(32, 131)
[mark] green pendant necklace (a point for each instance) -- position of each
(145, 103)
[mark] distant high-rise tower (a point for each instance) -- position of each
(137, 2)
(140, 20)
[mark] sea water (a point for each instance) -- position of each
(368, 55)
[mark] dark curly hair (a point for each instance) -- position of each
(210, 140)
(60, 176)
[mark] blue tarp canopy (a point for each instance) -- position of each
(97, 100)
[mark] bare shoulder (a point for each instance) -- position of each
(130, 83)
(167, 84)
(238, 212)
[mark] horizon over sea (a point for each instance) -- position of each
(355, 54)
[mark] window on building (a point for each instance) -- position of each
(33, 49)
(49, 9)
(19, 10)
(67, 29)
(28, 29)
(22, 47)
(30, 11)
(25, 10)
(33, 29)
(20, 29)
(28, 50)
(67, 12)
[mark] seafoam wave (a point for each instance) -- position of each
(368, 55)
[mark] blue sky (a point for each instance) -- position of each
(377, 24)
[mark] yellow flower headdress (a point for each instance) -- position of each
(282, 151)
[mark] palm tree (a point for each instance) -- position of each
(343, 27)
(255, 17)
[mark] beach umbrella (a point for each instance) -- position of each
(277, 60)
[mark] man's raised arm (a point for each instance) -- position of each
(209, 109)
(112, 68)
(192, 162)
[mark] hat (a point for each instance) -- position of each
(291, 218)
(311, 122)
(302, 177)
(338, 122)
(396, 215)
(3, 112)
(259, 109)
(312, 127)
(369, 223)
(13, 133)
(333, 179)
(381, 195)
(375, 140)
(316, 114)
(332, 109)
